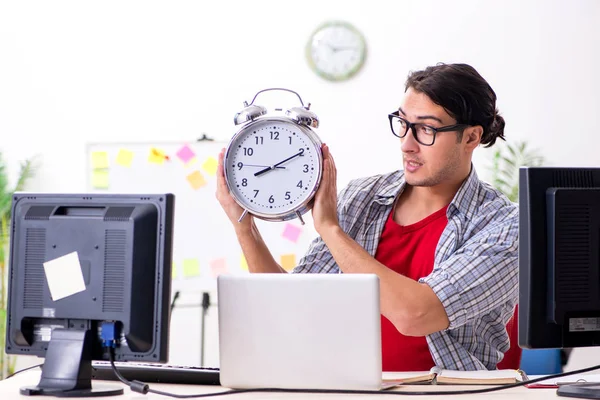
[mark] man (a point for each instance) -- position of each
(443, 243)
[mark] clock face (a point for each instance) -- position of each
(273, 167)
(336, 51)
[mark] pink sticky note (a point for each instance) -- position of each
(185, 154)
(291, 232)
(218, 267)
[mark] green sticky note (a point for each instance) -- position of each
(100, 179)
(191, 268)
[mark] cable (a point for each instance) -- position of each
(23, 370)
(143, 388)
(110, 332)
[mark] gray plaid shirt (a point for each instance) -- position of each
(475, 274)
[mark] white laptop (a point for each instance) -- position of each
(300, 331)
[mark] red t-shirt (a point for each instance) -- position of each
(410, 251)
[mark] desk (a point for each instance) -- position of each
(9, 390)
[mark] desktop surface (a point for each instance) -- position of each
(9, 390)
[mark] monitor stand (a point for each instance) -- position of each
(580, 390)
(67, 371)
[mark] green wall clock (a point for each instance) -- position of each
(336, 50)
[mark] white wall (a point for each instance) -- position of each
(73, 72)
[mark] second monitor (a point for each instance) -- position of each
(89, 278)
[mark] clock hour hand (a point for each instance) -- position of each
(262, 171)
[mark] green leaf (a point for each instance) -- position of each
(501, 182)
(511, 150)
(507, 174)
(514, 194)
(509, 161)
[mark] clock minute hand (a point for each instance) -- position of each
(262, 171)
(341, 48)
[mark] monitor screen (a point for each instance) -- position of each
(89, 277)
(559, 257)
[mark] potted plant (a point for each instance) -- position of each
(506, 161)
(26, 171)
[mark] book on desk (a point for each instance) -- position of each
(438, 376)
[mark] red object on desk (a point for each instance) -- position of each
(541, 386)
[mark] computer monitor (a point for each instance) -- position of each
(90, 276)
(559, 259)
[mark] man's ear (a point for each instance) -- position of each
(473, 136)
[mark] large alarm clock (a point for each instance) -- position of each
(273, 163)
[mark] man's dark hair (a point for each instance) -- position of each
(464, 94)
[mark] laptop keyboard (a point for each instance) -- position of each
(157, 373)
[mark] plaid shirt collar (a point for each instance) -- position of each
(464, 201)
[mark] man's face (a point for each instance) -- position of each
(445, 159)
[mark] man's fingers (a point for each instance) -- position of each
(221, 185)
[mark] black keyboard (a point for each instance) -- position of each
(156, 373)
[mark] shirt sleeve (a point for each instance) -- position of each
(481, 275)
(318, 258)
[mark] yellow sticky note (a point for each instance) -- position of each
(196, 179)
(124, 158)
(99, 159)
(210, 165)
(157, 156)
(191, 267)
(243, 263)
(173, 271)
(100, 179)
(288, 261)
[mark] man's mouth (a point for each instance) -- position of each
(413, 163)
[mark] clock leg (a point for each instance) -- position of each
(242, 216)
(300, 217)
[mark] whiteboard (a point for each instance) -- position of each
(204, 243)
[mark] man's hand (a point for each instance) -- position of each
(324, 210)
(231, 208)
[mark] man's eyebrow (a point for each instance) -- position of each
(422, 117)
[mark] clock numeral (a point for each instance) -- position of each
(274, 135)
(289, 137)
(255, 193)
(248, 151)
(301, 152)
(245, 182)
(240, 165)
(259, 139)
(287, 195)
(271, 199)
(305, 169)
(299, 184)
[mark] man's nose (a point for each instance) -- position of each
(409, 142)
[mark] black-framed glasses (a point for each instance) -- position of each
(423, 133)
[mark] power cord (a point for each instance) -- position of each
(141, 387)
(23, 370)
(110, 331)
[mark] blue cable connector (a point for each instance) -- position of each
(109, 334)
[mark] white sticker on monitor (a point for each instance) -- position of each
(584, 324)
(64, 276)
